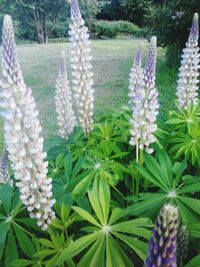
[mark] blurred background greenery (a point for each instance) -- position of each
(47, 21)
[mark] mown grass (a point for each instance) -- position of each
(112, 60)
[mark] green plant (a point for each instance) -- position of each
(110, 29)
(47, 249)
(164, 182)
(105, 233)
(15, 234)
(65, 184)
(32, 259)
(184, 135)
(187, 144)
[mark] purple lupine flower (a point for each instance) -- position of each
(82, 75)
(4, 171)
(135, 75)
(75, 10)
(23, 136)
(63, 100)
(187, 89)
(163, 244)
(145, 104)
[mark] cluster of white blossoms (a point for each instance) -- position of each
(4, 170)
(63, 100)
(187, 89)
(145, 104)
(82, 75)
(135, 76)
(22, 132)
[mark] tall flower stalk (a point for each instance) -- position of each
(22, 132)
(163, 244)
(63, 100)
(187, 89)
(82, 75)
(145, 105)
(4, 170)
(135, 76)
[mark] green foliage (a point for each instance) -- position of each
(89, 10)
(15, 227)
(105, 234)
(170, 21)
(105, 201)
(170, 185)
(47, 250)
(133, 11)
(183, 135)
(110, 29)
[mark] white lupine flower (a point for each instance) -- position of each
(82, 75)
(4, 170)
(135, 76)
(63, 100)
(187, 89)
(22, 132)
(145, 104)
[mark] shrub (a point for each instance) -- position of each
(110, 29)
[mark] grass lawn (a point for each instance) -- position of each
(112, 60)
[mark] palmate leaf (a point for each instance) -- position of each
(31, 260)
(107, 235)
(13, 235)
(95, 255)
(187, 144)
(64, 185)
(52, 248)
(168, 187)
(115, 255)
(184, 118)
(76, 247)
(138, 246)
(98, 168)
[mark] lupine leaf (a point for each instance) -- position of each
(11, 253)
(96, 206)
(96, 254)
(22, 263)
(84, 214)
(113, 256)
(76, 247)
(24, 242)
(194, 262)
(138, 246)
(104, 194)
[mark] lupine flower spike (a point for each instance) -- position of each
(4, 170)
(22, 132)
(145, 104)
(82, 75)
(187, 89)
(163, 244)
(135, 76)
(63, 100)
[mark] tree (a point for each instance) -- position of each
(89, 10)
(40, 15)
(135, 10)
(171, 22)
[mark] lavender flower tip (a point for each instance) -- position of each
(196, 17)
(153, 42)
